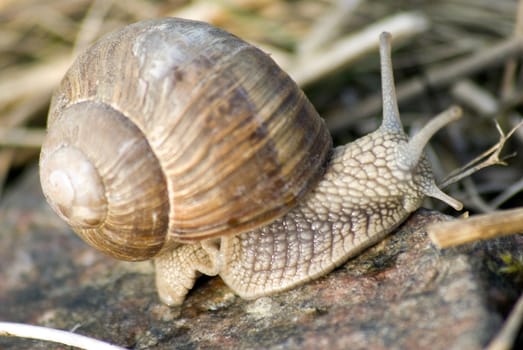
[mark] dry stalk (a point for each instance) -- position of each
(21, 137)
(488, 158)
(314, 66)
(10, 329)
(506, 338)
(478, 227)
(509, 75)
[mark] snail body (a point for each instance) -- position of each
(176, 141)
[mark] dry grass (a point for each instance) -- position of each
(453, 51)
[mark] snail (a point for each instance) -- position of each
(176, 141)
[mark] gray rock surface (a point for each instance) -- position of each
(402, 293)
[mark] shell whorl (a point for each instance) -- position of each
(236, 142)
(96, 192)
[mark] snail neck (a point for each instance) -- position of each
(366, 176)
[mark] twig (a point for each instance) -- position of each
(507, 194)
(350, 48)
(328, 26)
(505, 339)
(18, 116)
(6, 158)
(21, 137)
(474, 199)
(25, 109)
(91, 24)
(488, 158)
(54, 335)
(484, 226)
(211, 12)
(473, 96)
(513, 119)
(27, 81)
(507, 84)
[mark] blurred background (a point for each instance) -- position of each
(466, 52)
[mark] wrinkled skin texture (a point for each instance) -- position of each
(362, 197)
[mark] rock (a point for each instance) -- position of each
(401, 293)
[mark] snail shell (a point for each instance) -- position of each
(173, 140)
(162, 132)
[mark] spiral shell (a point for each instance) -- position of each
(172, 130)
